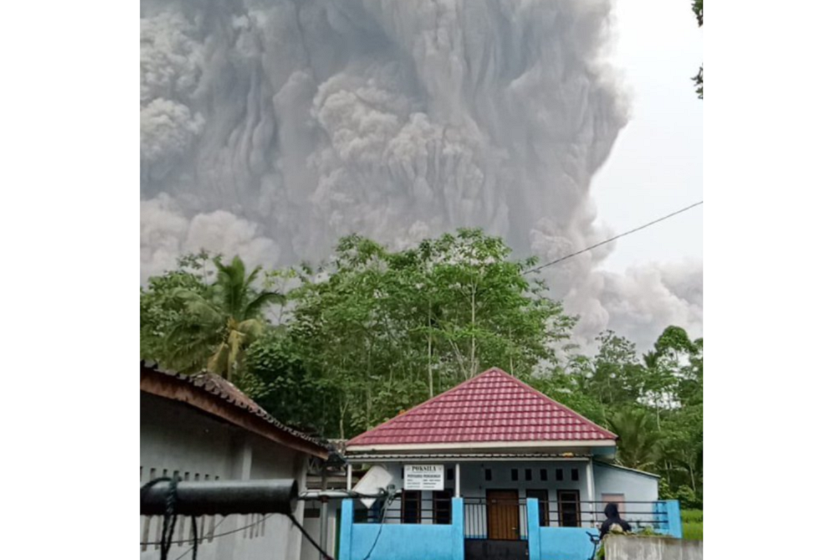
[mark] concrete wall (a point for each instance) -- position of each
(177, 439)
(402, 542)
(573, 543)
(650, 548)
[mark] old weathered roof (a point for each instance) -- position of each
(221, 398)
(491, 407)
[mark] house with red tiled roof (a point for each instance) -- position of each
(484, 452)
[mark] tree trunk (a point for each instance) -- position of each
(691, 475)
(342, 408)
(429, 353)
(473, 367)
(510, 356)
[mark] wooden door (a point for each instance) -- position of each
(503, 515)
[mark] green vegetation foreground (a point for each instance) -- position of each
(337, 349)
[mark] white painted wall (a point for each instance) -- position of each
(313, 526)
(177, 439)
(634, 485)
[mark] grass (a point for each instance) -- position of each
(692, 524)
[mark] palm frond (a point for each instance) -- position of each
(256, 306)
(250, 329)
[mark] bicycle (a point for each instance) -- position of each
(595, 540)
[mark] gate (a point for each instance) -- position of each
(496, 527)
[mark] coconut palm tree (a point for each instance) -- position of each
(638, 438)
(218, 325)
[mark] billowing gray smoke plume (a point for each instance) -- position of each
(269, 128)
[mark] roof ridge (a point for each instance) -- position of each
(516, 408)
(415, 407)
(561, 405)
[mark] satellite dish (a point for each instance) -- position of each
(376, 480)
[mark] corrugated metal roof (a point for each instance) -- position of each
(492, 407)
(361, 458)
(226, 391)
(623, 468)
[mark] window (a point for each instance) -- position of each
(514, 474)
(543, 475)
(575, 475)
(568, 502)
(411, 506)
(488, 474)
(450, 474)
(442, 507)
(542, 497)
(558, 474)
(528, 474)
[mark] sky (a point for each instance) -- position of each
(656, 165)
(269, 131)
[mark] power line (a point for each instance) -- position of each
(297, 524)
(611, 239)
(203, 538)
(206, 537)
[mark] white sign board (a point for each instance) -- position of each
(423, 477)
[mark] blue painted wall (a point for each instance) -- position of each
(573, 543)
(566, 543)
(556, 543)
(402, 542)
(672, 517)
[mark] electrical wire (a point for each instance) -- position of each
(611, 239)
(291, 517)
(381, 524)
(297, 524)
(171, 517)
(184, 541)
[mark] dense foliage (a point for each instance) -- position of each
(340, 348)
(697, 8)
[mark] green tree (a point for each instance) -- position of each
(614, 375)
(566, 386)
(385, 330)
(638, 438)
(160, 308)
(697, 8)
(277, 379)
(216, 325)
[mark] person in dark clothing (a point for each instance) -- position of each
(613, 518)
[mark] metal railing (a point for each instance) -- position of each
(501, 519)
(407, 509)
(590, 514)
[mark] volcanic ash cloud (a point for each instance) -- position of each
(270, 128)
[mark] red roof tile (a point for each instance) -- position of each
(491, 407)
